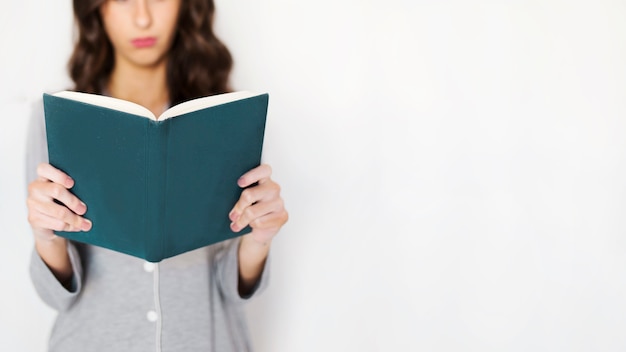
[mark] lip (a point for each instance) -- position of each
(144, 42)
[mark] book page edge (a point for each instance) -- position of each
(106, 102)
(206, 102)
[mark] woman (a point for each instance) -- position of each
(155, 53)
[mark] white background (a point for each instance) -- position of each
(454, 170)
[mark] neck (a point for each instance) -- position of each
(146, 86)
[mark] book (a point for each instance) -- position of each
(155, 187)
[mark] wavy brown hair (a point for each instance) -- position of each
(199, 64)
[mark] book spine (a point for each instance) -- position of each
(156, 176)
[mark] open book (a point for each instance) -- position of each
(155, 187)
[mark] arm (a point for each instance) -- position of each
(261, 207)
(55, 267)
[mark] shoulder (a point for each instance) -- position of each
(36, 121)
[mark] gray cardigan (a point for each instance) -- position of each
(121, 303)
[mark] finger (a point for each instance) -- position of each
(49, 172)
(272, 221)
(43, 221)
(41, 194)
(256, 211)
(265, 228)
(259, 174)
(72, 202)
(262, 192)
(48, 191)
(62, 213)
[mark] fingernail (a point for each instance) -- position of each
(86, 225)
(233, 227)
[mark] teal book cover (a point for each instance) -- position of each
(155, 188)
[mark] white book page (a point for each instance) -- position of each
(205, 102)
(107, 102)
(133, 108)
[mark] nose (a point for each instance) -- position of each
(143, 19)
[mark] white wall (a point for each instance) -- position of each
(35, 39)
(454, 170)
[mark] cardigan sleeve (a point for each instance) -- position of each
(227, 271)
(51, 291)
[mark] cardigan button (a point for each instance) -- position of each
(152, 316)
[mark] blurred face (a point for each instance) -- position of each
(141, 31)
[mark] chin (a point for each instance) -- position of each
(148, 62)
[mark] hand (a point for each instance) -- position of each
(46, 215)
(259, 206)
